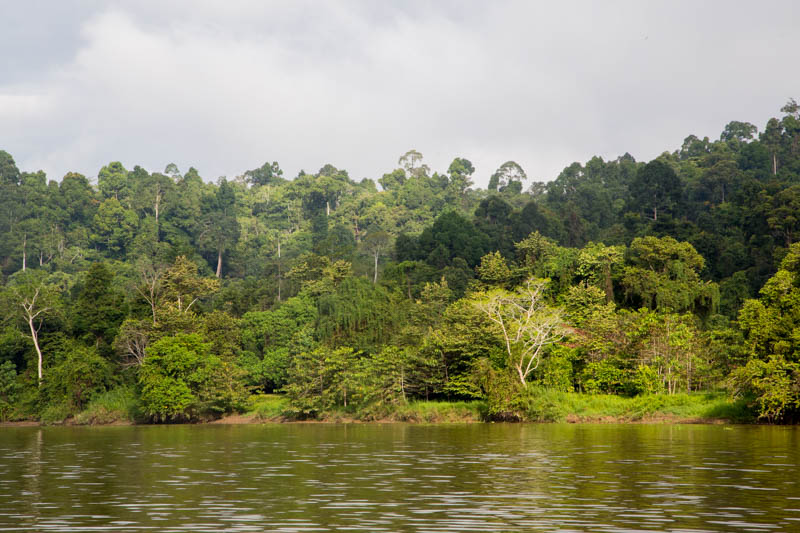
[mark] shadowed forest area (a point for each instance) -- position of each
(160, 296)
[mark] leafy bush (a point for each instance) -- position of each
(774, 386)
(67, 387)
(116, 405)
(182, 380)
(603, 377)
(645, 381)
(555, 371)
(8, 389)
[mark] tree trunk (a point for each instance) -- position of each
(24, 255)
(774, 163)
(35, 338)
(521, 376)
(219, 263)
(279, 269)
(375, 277)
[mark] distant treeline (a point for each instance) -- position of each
(624, 277)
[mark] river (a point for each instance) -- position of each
(398, 477)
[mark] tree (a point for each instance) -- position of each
(411, 161)
(771, 138)
(183, 286)
(220, 228)
(664, 274)
(509, 172)
(114, 226)
(460, 171)
(38, 299)
(79, 373)
(494, 270)
(527, 324)
(151, 283)
(597, 263)
(182, 380)
(266, 174)
(656, 188)
(739, 132)
(99, 310)
(376, 243)
(113, 181)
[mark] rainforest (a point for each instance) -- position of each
(638, 286)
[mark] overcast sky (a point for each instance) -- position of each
(226, 86)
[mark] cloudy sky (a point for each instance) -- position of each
(226, 86)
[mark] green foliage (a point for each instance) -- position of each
(181, 380)
(325, 379)
(358, 312)
(603, 377)
(117, 405)
(8, 389)
(99, 309)
(439, 412)
(80, 373)
(664, 274)
(641, 256)
(556, 370)
(645, 381)
(267, 407)
(773, 385)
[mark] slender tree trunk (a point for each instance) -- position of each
(774, 163)
(521, 376)
(24, 255)
(219, 263)
(327, 208)
(279, 269)
(375, 277)
(35, 338)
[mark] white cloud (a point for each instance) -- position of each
(224, 87)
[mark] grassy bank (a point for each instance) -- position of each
(116, 406)
(274, 408)
(119, 406)
(542, 405)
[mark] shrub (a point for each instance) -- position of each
(181, 380)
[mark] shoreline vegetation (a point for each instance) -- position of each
(551, 407)
(621, 290)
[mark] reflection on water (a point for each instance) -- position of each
(482, 477)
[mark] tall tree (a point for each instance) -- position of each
(220, 228)
(527, 324)
(37, 299)
(656, 188)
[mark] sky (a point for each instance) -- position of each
(227, 86)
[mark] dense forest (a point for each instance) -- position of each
(622, 277)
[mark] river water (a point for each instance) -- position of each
(396, 477)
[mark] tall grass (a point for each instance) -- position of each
(266, 407)
(119, 405)
(432, 412)
(545, 405)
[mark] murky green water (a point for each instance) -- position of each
(491, 477)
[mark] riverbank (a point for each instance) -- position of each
(544, 406)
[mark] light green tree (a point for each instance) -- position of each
(526, 322)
